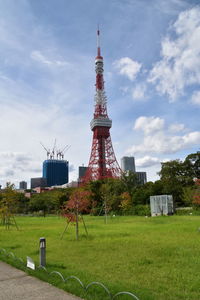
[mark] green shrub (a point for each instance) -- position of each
(139, 210)
(142, 210)
(188, 211)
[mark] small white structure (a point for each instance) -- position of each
(161, 205)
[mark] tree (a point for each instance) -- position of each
(129, 182)
(173, 177)
(78, 203)
(107, 199)
(57, 198)
(188, 195)
(192, 163)
(112, 187)
(156, 188)
(95, 189)
(196, 194)
(23, 203)
(141, 196)
(176, 175)
(182, 171)
(41, 202)
(126, 203)
(8, 205)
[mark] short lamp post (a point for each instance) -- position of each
(42, 252)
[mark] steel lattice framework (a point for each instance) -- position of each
(102, 163)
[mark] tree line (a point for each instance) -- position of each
(125, 195)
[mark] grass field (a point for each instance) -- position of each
(155, 258)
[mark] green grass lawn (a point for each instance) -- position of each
(155, 258)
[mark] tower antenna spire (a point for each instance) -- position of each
(98, 42)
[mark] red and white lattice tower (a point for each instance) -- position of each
(102, 163)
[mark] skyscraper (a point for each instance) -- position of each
(55, 171)
(23, 185)
(128, 163)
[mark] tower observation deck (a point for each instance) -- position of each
(102, 163)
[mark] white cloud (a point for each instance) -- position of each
(138, 92)
(147, 161)
(180, 63)
(162, 143)
(6, 172)
(162, 139)
(196, 98)
(149, 124)
(38, 56)
(192, 138)
(128, 67)
(17, 164)
(176, 127)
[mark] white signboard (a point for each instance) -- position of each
(30, 263)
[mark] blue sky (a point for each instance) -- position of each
(151, 51)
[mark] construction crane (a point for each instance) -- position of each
(53, 151)
(59, 153)
(64, 150)
(48, 151)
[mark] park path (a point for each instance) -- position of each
(17, 285)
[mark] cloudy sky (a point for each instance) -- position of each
(151, 52)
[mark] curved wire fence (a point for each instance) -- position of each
(4, 253)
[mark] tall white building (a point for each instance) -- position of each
(128, 165)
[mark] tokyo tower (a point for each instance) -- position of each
(102, 163)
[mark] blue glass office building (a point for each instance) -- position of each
(56, 171)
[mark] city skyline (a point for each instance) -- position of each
(151, 53)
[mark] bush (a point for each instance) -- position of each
(185, 211)
(142, 210)
(139, 210)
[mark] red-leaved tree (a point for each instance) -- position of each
(78, 203)
(196, 195)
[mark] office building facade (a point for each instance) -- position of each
(56, 172)
(38, 182)
(23, 185)
(81, 171)
(141, 177)
(128, 164)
